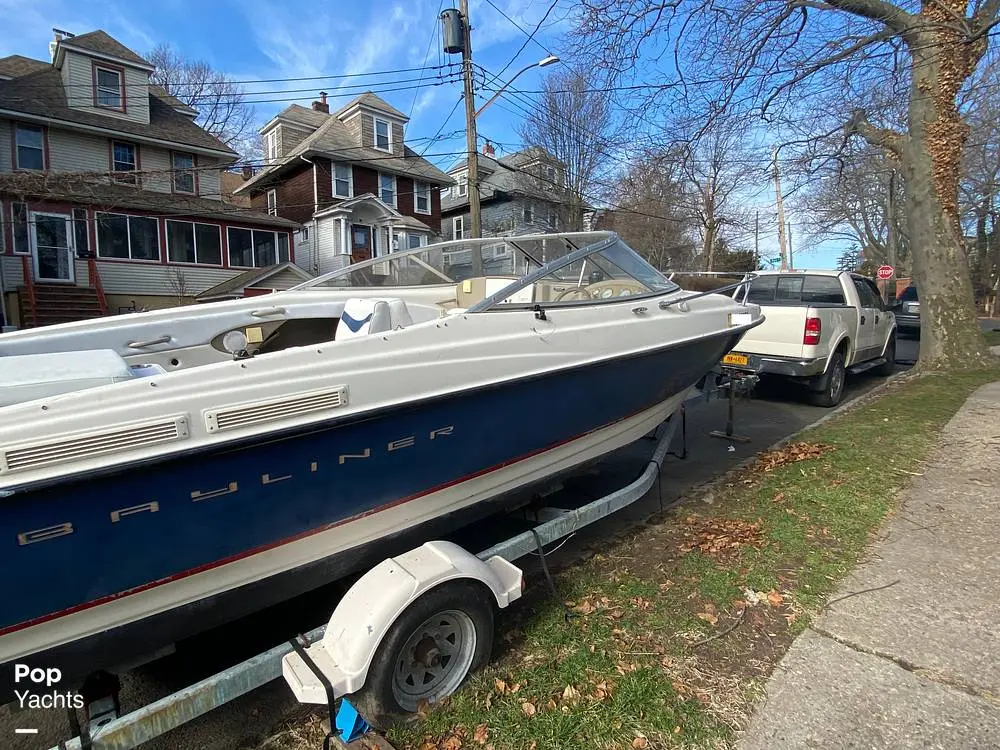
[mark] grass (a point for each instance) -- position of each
(646, 659)
(993, 337)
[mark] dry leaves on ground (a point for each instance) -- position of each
(790, 454)
(720, 537)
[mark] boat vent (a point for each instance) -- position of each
(231, 417)
(68, 448)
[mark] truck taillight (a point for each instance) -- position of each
(813, 329)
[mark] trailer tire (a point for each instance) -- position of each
(457, 615)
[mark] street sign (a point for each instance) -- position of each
(886, 272)
(774, 260)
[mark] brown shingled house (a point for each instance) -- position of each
(349, 178)
(110, 193)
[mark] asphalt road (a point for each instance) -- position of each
(767, 417)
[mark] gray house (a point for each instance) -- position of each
(522, 193)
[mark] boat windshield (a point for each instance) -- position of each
(601, 272)
(566, 268)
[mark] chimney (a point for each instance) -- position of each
(488, 150)
(54, 44)
(321, 105)
(247, 171)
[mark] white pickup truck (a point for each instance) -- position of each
(817, 326)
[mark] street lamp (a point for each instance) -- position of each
(545, 61)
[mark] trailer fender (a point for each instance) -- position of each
(365, 614)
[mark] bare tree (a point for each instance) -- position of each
(772, 56)
(652, 214)
(574, 122)
(714, 165)
(221, 104)
(860, 203)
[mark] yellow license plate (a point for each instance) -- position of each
(741, 360)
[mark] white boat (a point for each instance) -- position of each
(165, 472)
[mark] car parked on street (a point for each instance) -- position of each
(907, 311)
(818, 325)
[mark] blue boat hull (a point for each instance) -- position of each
(85, 542)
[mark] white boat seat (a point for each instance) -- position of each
(365, 315)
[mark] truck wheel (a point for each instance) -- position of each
(428, 652)
(890, 359)
(833, 383)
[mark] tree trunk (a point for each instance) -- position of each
(932, 150)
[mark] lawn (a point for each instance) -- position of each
(665, 638)
(993, 337)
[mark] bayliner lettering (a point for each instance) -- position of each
(203, 494)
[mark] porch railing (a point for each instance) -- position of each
(95, 280)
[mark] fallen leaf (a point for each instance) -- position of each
(791, 617)
(774, 598)
(551, 705)
(778, 498)
(708, 617)
(481, 734)
(500, 685)
(640, 742)
(570, 693)
(514, 688)
(677, 730)
(428, 745)
(528, 708)
(452, 743)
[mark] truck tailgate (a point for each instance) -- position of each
(779, 335)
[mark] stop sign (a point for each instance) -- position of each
(885, 272)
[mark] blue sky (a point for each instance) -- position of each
(258, 40)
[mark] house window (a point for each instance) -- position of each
(30, 141)
(458, 227)
(256, 248)
(81, 231)
(383, 135)
(108, 83)
(19, 226)
(463, 185)
(190, 242)
(422, 197)
(272, 202)
(124, 159)
(342, 181)
(414, 240)
(271, 145)
(184, 173)
(128, 237)
(551, 218)
(528, 215)
(387, 188)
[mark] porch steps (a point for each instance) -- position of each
(58, 303)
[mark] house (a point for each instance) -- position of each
(110, 192)
(522, 193)
(350, 179)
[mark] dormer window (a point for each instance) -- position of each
(463, 185)
(109, 87)
(30, 146)
(124, 162)
(271, 146)
(383, 135)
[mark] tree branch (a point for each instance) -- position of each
(881, 137)
(891, 15)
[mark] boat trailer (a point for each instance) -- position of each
(425, 566)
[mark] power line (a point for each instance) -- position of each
(435, 30)
(530, 38)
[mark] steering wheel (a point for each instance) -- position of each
(578, 290)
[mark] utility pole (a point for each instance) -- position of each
(470, 120)
(781, 215)
(756, 240)
(791, 254)
(890, 241)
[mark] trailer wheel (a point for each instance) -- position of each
(428, 652)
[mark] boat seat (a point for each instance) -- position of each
(365, 315)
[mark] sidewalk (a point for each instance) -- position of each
(907, 652)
